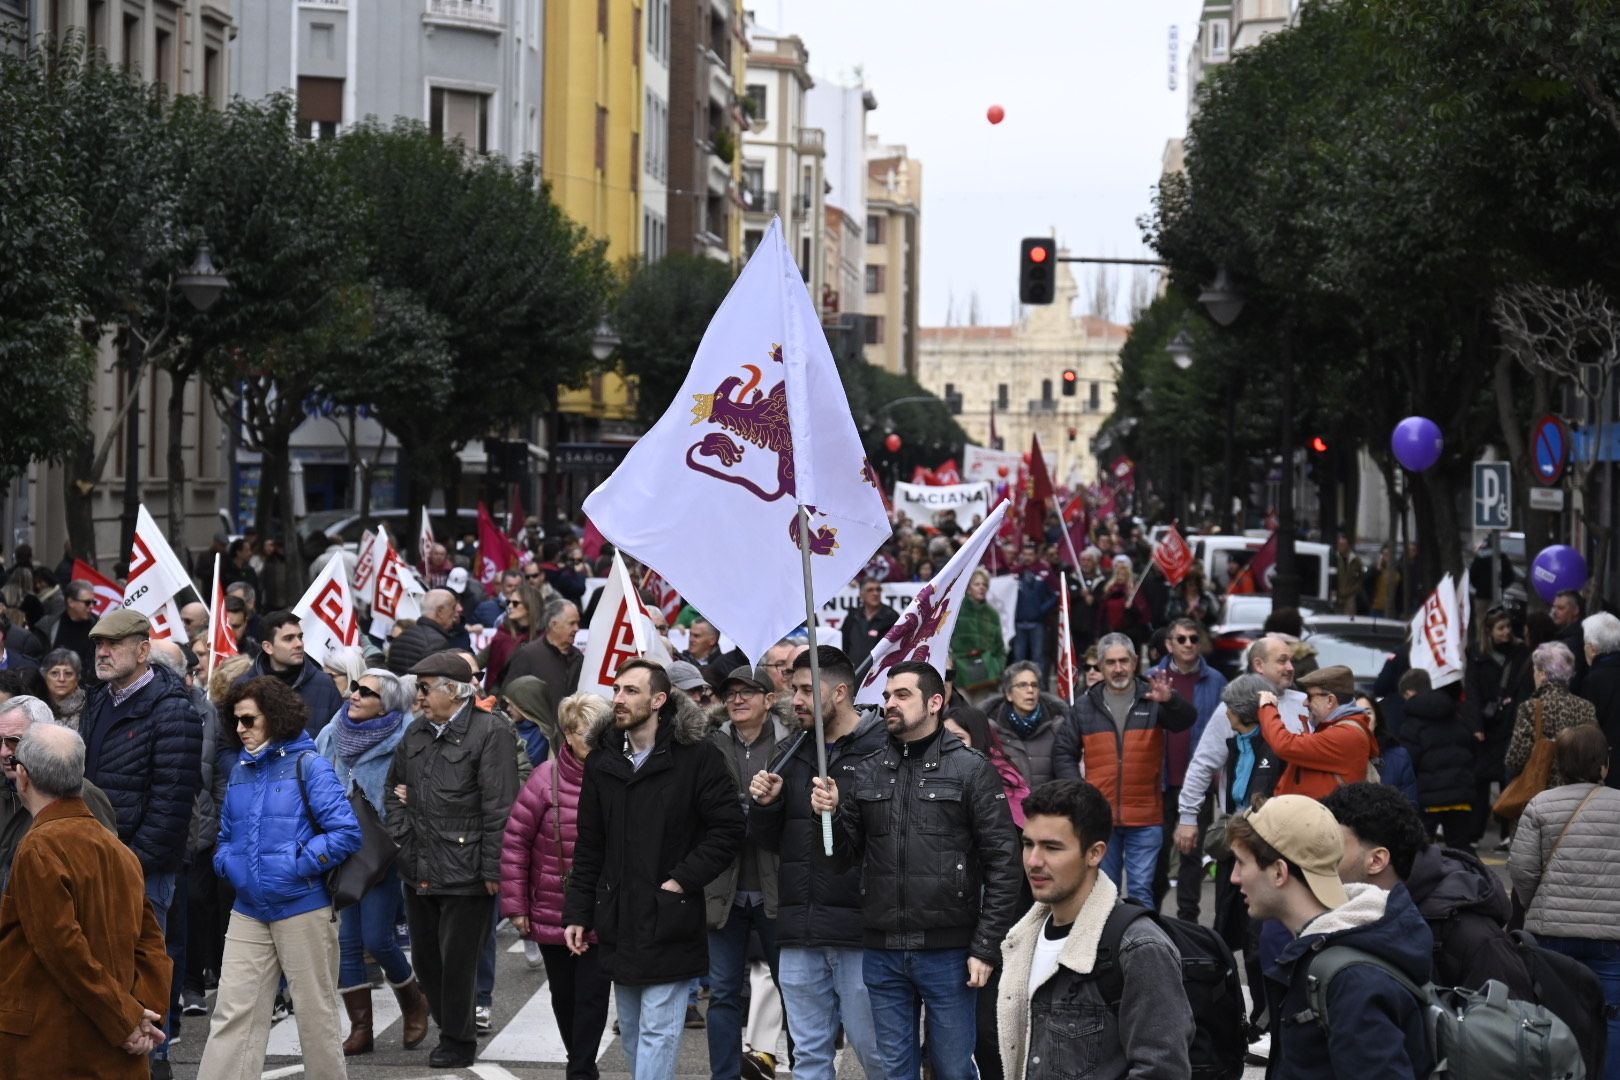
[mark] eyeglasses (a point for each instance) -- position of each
(11, 741)
(1026, 685)
(532, 577)
(249, 720)
(365, 692)
(1185, 639)
(739, 692)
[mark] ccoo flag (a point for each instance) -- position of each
(709, 497)
(924, 631)
(155, 575)
(621, 630)
(108, 594)
(326, 613)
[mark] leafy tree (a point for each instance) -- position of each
(660, 318)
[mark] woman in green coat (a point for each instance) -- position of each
(978, 649)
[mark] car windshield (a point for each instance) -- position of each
(1363, 653)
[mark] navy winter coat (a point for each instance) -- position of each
(1443, 749)
(268, 850)
(147, 757)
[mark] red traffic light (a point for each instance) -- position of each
(1319, 444)
(1069, 375)
(1039, 254)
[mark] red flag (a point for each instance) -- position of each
(669, 601)
(109, 594)
(922, 474)
(1037, 493)
(948, 473)
(496, 553)
(593, 541)
(514, 507)
(220, 639)
(1066, 668)
(1172, 556)
(1256, 577)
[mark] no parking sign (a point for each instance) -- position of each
(1549, 449)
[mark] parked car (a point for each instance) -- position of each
(1359, 642)
(1313, 561)
(316, 531)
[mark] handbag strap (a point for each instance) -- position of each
(1537, 710)
(303, 794)
(1551, 855)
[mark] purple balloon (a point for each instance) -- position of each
(1557, 568)
(1417, 443)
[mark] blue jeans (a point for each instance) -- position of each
(728, 985)
(1029, 643)
(486, 959)
(895, 980)
(820, 989)
(1136, 848)
(1603, 957)
(368, 927)
(650, 1023)
(160, 890)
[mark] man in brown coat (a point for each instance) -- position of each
(87, 976)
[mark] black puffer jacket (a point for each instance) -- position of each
(929, 825)
(147, 757)
(1443, 749)
(677, 817)
(459, 790)
(414, 645)
(818, 905)
(1467, 911)
(1602, 689)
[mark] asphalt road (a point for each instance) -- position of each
(525, 1043)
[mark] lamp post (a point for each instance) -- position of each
(201, 284)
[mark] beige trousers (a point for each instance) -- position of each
(305, 947)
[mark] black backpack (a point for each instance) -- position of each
(1209, 976)
(1572, 992)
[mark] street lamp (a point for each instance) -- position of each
(604, 342)
(1222, 299)
(202, 283)
(1181, 350)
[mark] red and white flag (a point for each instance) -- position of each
(669, 599)
(155, 576)
(327, 614)
(221, 642)
(425, 542)
(373, 547)
(108, 594)
(924, 631)
(1172, 556)
(496, 554)
(1066, 667)
(710, 496)
(621, 630)
(1438, 632)
(397, 595)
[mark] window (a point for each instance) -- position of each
(874, 329)
(323, 41)
(753, 182)
(132, 44)
(163, 65)
(757, 101)
(635, 162)
(1219, 30)
(96, 26)
(1001, 395)
(601, 138)
(320, 107)
(874, 229)
(460, 114)
(213, 77)
(635, 38)
(751, 240)
(804, 258)
(1046, 390)
(874, 279)
(602, 17)
(656, 126)
(1094, 402)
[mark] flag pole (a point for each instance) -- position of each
(213, 614)
(815, 669)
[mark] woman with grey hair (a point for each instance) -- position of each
(345, 664)
(63, 669)
(1552, 706)
(360, 743)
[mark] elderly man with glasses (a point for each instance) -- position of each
(448, 793)
(17, 717)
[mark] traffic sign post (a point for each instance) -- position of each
(1549, 449)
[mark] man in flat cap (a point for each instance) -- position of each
(450, 789)
(1340, 746)
(143, 748)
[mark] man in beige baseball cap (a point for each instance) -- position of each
(1292, 840)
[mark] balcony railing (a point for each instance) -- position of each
(485, 12)
(812, 141)
(324, 3)
(767, 203)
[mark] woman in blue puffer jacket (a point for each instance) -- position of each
(360, 742)
(276, 851)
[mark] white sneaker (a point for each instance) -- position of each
(482, 1020)
(531, 953)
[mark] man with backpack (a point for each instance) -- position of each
(1061, 973)
(1369, 1024)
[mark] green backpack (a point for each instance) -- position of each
(1473, 1034)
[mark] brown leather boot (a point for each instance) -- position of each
(358, 1004)
(413, 1003)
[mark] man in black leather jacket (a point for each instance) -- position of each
(927, 820)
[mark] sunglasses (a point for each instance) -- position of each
(1093, 667)
(365, 692)
(248, 721)
(1185, 639)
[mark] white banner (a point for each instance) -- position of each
(900, 596)
(155, 576)
(923, 503)
(621, 630)
(983, 463)
(924, 631)
(326, 611)
(1438, 634)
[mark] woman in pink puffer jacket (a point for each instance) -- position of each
(536, 855)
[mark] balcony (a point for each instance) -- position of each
(719, 175)
(722, 87)
(479, 14)
(766, 204)
(812, 141)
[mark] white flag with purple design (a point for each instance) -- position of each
(924, 631)
(709, 497)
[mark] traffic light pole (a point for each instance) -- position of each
(1111, 262)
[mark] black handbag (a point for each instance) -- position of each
(352, 878)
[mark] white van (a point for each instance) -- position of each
(1314, 561)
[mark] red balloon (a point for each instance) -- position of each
(995, 114)
(893, 443)
(1001, 471)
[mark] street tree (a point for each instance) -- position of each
(660, 318)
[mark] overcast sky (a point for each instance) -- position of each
(1085, 85)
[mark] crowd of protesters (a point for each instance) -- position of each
(666, 844)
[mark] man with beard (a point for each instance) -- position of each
(659, 818)
(818, 921)
(926, 820)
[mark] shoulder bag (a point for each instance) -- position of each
(1532, 779)
(352, 878)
